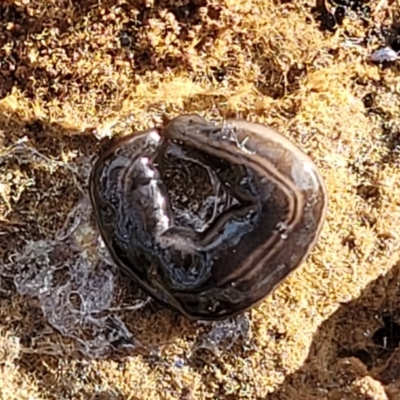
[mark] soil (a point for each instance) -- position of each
(75, 73)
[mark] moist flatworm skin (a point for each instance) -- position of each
(208, 218)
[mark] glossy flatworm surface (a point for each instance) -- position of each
(207, 218)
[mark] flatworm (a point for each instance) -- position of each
(208, 218)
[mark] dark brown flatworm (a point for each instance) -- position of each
(208, 218)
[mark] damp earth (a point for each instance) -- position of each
(74, 74)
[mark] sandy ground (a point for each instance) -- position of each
(73, 74)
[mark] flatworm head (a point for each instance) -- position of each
(208, 218)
